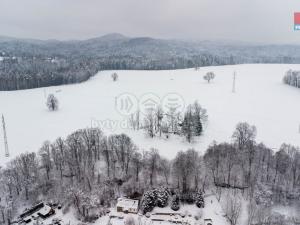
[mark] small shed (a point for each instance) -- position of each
(127, 205)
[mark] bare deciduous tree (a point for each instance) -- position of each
(209, 76)
(233, 209)
(244, 134)
(52, 102)
(114, 76)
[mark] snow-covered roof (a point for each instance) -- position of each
(45, 210)
(27, 218)
(127, 203)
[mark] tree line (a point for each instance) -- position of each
(88, 170)
(25, 66)
(33, 71)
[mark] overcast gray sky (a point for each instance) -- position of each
(246, 20)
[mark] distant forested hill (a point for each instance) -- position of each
(29, 63)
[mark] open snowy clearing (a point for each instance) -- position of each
(260, 99)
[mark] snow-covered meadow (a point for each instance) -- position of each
(260, 99)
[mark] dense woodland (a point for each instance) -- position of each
(89, 170)
(28, 64)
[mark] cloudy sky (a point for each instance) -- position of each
(246, 20)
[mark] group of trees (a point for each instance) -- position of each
(263, 176)
(18, 73)
(193, 121)
(162, 197)
(245, 164)
(89, 170)
(155, 197)
(292, 78)
(158, 122)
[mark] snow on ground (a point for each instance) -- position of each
(288, 211)
(212, 210)
(260, 99)
(64, 219)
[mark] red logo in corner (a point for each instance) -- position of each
(297, 21)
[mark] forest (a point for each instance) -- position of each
(26, 63)
(89, 170)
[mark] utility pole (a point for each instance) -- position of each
(233, 83)
(5, 137)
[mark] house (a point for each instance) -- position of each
(127, 205)
(40, 210)
(32, 210)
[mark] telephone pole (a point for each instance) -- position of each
(233, 83)
(5, 137)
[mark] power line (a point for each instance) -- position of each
(233, 83)
(5, 137)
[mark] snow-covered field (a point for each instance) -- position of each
(260, 99)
